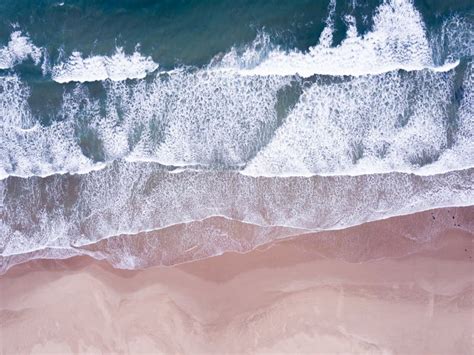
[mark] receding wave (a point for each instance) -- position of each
(65, 211)
(190, 241)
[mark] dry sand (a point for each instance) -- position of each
(402, 295)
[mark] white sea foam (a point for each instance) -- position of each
(29, 148)
(366, 125)
(183, 119)
(18, 49)
(119, 66)
(219, 116)
(461, 153)
(127, 198)
(397, 40)
(371, 124)
(454, 40)
(178, 244)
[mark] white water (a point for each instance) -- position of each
(397, 40)
(119, 66)
(370, 124)
(129, 198)
(18, 49)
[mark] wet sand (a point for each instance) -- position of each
(403, 285)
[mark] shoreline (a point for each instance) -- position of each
(197, 239)
(295, 295)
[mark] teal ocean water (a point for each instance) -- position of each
(118, 117)
(193, 32)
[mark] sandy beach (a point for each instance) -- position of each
(301, 295)
(237, 177)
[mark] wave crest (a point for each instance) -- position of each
(397, 40)
(18, 49)
(117, 67)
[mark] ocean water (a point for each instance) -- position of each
(121, 117)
